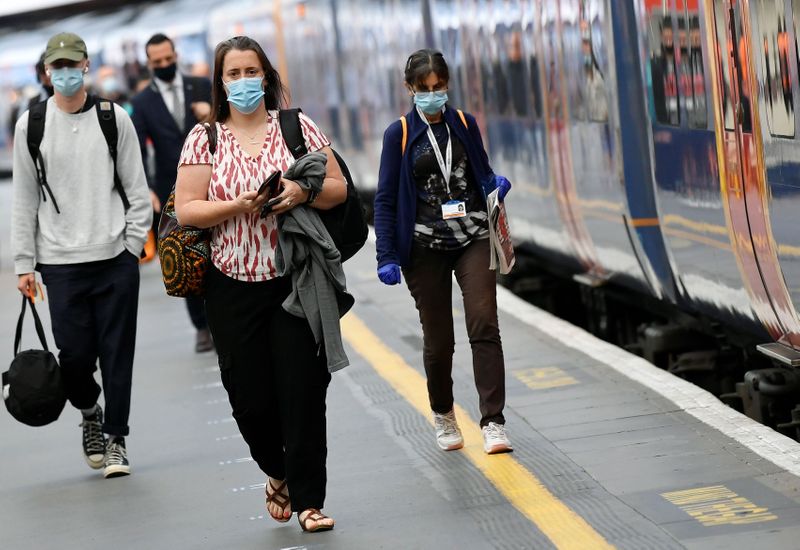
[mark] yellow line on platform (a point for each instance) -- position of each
(524, 491)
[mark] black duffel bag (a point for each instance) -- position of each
(32, 388)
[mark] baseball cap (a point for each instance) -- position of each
(65, 45)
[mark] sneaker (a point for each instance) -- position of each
(94, 442)
(495, 439)
(448, 436)
(116, 461)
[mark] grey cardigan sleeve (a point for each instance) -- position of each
(25, 202)
(131, 172)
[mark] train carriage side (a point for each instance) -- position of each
(496, 63)
(774, 28)
(634, 142)
(674, 47)
(594, 139)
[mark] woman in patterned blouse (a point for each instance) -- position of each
(275, 374)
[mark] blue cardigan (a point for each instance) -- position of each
(396, 197)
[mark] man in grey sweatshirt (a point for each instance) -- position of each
(77, 232)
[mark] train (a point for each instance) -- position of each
(652, 145)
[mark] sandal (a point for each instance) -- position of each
(314, 515)
(279, 495)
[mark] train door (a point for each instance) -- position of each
(742, 173)
(558, 143)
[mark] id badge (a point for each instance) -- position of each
(454, 209)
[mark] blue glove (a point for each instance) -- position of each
(389, 274)
(503, 186)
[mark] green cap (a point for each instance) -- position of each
(65, 45)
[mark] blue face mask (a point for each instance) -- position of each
(67, 80)
(245, 94)
(430, 102)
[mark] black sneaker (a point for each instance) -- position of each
(116, 462)
(94, 442)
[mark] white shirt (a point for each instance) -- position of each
(164, 88)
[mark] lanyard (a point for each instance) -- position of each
(446, 163)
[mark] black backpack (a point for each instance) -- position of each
(346, 223)
(32, 387)
(108, 123)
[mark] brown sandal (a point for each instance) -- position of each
(280, 496)
(315, 516)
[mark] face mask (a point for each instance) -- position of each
(430, 102)
(167, 74)
(67, 81)
(110, 86)
(245, 94)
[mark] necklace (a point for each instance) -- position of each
(251, 139)
(75, 119)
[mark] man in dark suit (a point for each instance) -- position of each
(164, 113)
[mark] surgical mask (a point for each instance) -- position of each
(67, 80)
(167, 74)
(245, 94)
(110, 85)
(430, 102)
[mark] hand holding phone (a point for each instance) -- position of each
(267, 208)
(271, 184)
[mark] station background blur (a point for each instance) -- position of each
(302, 38)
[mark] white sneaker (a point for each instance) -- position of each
(495, 439)
(448, 436)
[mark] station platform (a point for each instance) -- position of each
(609, 451)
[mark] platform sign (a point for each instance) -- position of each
(543, 378)
(717, 505)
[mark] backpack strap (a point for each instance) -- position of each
(36, 116)
(404, 124)
(108, 123)
(462, 117)
(292, 131)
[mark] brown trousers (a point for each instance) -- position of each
(429, 277)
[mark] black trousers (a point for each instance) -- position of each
(429, 277)
(277, 380)
(93, 310)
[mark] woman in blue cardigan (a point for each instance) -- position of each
(431, 221)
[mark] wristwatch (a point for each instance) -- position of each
(312, 196)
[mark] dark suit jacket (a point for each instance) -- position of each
(153, 120)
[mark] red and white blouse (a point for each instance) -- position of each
(243, 247)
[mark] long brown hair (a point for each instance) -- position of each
(274, 91)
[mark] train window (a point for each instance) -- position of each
(774, 39)
(723, 52)
(692, 78)
(594, 89)
(662, 70)
(530, 44)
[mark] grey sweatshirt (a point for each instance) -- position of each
(307, 253)
(92, 224)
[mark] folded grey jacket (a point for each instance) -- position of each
(307, 253)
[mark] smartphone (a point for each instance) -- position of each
(267, 208)
(271, 184)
